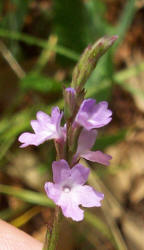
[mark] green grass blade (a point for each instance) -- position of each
(26, 195)
(124, 21)
(38, 42)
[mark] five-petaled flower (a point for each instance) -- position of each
(45, 128)
(68, 190)
(92, 115)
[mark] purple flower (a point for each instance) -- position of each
(85, 143)
(45, 128)
(92, 115)
(68, 190)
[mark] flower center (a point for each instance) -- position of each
(66, 189)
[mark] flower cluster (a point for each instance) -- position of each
(68, 190)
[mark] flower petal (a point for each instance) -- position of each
(84, 113)
(43, 117)
(52, 191)
(30, 139)
(102, 115)
(45, 125)
(88, 196)
(56, 117)
(97, 156)
(86, 140)
(70, 209)
(79, 174)
(55, 114)
(87, 105)
(61, 171)
(73, 211)
(35, 125)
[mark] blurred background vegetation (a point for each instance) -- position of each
(40, 42)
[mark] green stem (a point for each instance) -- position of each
(55, 230)
(47, 239)
(52, 234)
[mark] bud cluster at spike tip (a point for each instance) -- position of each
(89, 59)
(83, 118)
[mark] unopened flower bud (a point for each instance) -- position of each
(70, 101)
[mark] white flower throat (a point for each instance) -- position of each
(66, 189)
